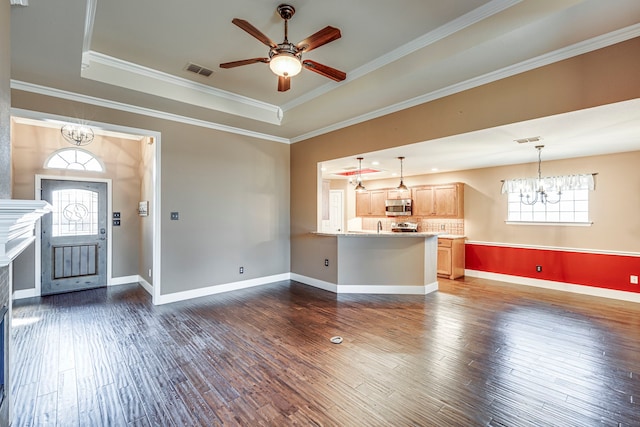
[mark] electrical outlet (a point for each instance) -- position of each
(442, 227)
(149, 272)
(241, 270)
(326, 262)
(633, 280)
(539, 268)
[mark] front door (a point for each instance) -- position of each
(74, 245)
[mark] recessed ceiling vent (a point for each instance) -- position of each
(527, 140)
(198, 69)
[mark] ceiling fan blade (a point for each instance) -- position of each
(322, 37)
(324, 70)
(254, 32)
(243, 62)
(284, 83)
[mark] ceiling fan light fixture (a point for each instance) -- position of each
(285, 64)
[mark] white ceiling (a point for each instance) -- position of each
(613, 128)
(396, 54)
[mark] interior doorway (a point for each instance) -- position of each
(130, 162)
(336, 211)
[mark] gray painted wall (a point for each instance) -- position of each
(232, 194)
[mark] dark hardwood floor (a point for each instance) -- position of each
(476, 353)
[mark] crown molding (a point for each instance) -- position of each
(100, 102)
(479, 14)
(88, 26)
(110, 70)
(586, 46)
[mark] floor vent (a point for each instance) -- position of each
(198, 69)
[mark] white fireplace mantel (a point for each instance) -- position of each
(17, 225)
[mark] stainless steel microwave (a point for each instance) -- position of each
(397, 207)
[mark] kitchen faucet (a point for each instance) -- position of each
(379, 226)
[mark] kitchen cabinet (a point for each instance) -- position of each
(423, 201)
(439, 201)
(450, 257)
(397, 194)
(370, 203)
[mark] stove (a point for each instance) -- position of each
(404, 227)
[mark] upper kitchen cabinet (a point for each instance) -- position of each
(397, 194)
(423, 201)
(449, 200)
(439, 201)
(371, 203)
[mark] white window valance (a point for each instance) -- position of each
(549, 184)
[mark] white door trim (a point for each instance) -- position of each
(38, 196)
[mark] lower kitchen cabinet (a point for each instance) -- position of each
(450, 257)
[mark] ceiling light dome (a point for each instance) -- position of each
(285, 64)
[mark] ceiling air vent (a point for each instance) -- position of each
(198, 69)
(527, 140)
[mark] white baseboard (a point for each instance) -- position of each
(365, 289)
(558, 286)
(146, 285)
(124, 280)
(217, 289)
(316, 283)
(25, 293)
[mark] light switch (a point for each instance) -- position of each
(116, 223)
(175, 216)
(116, 215)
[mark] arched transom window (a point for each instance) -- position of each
(74, 159)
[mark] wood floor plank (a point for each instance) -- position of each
(474, 353)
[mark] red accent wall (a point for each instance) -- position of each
(590, 269)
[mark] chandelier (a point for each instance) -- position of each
(542, 187)
(77, 134)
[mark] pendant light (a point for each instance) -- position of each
(402, 187)
(360, 188)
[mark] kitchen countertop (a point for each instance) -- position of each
(367, 233)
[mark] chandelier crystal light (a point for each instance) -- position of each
(548, 190)
(402, 187)
(543, 187)
(360, 187)
(77, 134)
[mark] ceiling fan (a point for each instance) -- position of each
(285, 59)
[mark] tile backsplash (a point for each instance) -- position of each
(448, 226)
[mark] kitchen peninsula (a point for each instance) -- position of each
(384, 262)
